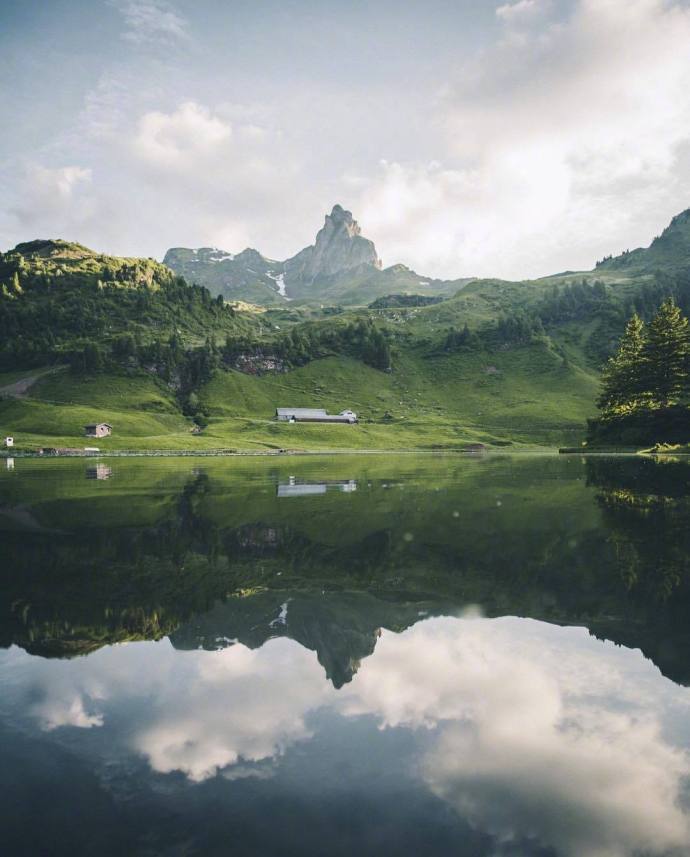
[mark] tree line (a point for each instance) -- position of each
(361, 339)
(577, 301)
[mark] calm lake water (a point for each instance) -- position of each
(367, 655)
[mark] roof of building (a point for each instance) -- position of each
(301, 490)
(301, 412)
(95, 425)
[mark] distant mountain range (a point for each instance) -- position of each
(341, 266)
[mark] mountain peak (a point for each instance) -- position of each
(339, 252)
(341, 218)
(251, 256)
(339, 247)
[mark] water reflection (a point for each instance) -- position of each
(296, 488)
(315, 662)
(540, 737)
(208, 554)
(100, 471)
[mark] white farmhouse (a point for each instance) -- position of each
(314, 415)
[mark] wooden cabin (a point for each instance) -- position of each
(98, 430)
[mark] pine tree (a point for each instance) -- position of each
(665, 355)
(623, 378)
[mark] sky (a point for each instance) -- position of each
(484, 138)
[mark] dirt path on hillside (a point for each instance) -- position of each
(20, 388)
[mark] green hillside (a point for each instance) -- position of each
(524, 396)
(58, 297)
(366, 284)
(669, 251)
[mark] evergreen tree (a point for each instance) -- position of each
(665, 355)
(623, 378)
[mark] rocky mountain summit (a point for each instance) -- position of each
(340, 266)
(339, 248)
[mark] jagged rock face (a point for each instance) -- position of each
(339, 247)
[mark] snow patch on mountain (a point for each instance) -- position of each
(279, 280)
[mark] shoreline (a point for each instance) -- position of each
(624, 451)
(280, 453)
(296, 453)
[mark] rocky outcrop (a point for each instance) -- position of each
(339, 248)
(246, 276)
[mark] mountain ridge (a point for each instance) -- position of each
(670, 249)
(342, 265)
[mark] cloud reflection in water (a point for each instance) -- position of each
(531, 732)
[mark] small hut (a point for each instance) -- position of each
(98, 430)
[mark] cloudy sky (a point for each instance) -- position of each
(469, 137)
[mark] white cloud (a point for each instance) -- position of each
(521, 11)
(239, 706)
(563, 144)
(207, 180)
(62, 181)
(55, 184)
(151, 22)
(180, 139)
(46, 194)
(199, 177)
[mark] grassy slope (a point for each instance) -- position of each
(524, 395)
(59, 406)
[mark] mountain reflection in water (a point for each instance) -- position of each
(321, 674)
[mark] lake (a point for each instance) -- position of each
(350, 655)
